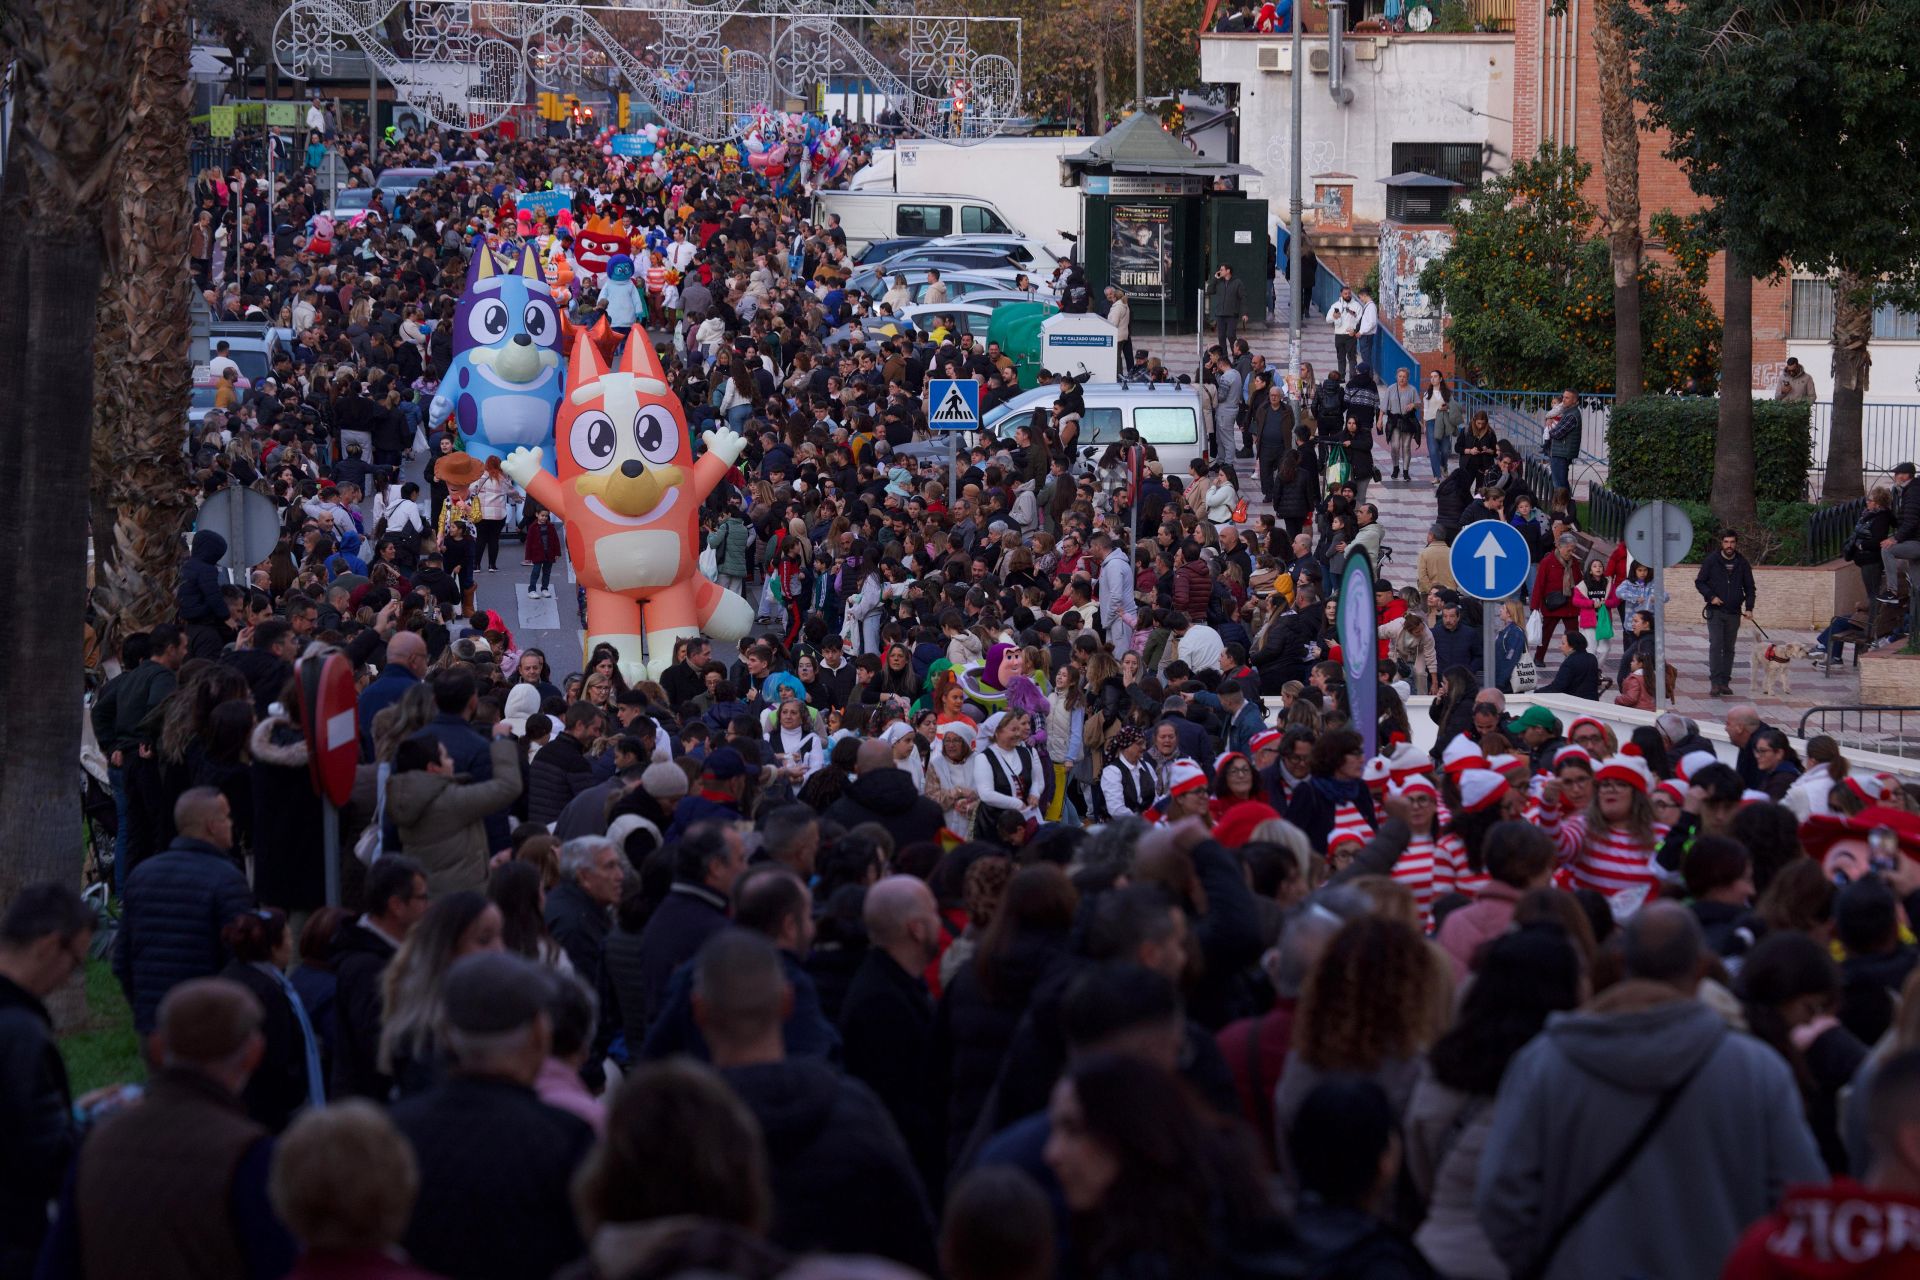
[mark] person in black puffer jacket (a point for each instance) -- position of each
(202, 608)
(175, 905)
(1297, 483)
(883, 792)
(562, 771)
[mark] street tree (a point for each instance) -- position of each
(70, 63)
(1527, 286)
(1796, 118)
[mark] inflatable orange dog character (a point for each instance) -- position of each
(630, 493)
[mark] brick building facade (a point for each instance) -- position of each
(1556, 98)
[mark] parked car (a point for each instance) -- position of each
(1167, 416)
(1016, 251)
(252, 346)
(397, 181)
(959, 283)
(881, 250)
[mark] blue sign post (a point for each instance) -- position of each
(1489, 560)
(953, 406)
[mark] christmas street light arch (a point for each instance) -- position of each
(473, 61)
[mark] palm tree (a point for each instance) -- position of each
(140, 381)
(1733, 467)
(70, 63)
(1620, 161)
(1853, 299)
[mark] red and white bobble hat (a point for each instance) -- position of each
(1186, 775)
(1578, 754)
(1627, 767)
(1343, 835)
(1867, 789)
(1462, 753)
(1265, 740)
(1221, 761)
(1574, 728)
(1407, 761)
(1507, 760)
(1480, 790)
(1673, 788)
(1693, 762)
(1348, 822)
(1376, 774)
(1415, 786)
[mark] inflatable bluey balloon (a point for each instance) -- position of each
(503, 388)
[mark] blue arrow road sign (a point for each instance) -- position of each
(1489, 559)
(955, 404)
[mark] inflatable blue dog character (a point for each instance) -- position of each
(503, 387)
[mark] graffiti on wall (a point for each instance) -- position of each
(1404, 253)
(1316, 156)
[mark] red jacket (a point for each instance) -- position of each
(543, 542)
(1829, 1233)
(1192, 588)
(1552, 577)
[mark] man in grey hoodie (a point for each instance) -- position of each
(1579, 1096)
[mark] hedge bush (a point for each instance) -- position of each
(1659, 447)
(1782, 526)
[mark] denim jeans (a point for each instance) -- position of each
(542, 579)
(1436, 448)
(1559, 467)
(118, 777)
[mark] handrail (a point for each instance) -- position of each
(1878, 738)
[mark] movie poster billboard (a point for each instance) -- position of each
(1142, 249)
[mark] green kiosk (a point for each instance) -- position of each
(1157, 223)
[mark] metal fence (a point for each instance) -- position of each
(1607, 512)
(1388, 353)
(1890, 730)
(1829, 528)
(1889, 435)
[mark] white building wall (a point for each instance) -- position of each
(1896, 369)
(1415, 88)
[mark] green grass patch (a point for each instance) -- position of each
(102, 1049)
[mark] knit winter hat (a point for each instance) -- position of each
(1186, 775)
(1627, 767)
(1408, 761)
(1377, 773)
(1265, 739)
(1694, 761)
(1480, 790)
(1573, 754)
(1221, 761)
(1414, 786)
(1507, 760)
(1462, 753)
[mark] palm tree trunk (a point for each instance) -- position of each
(1620, 160)
(1733, 472)
(1852, 331)
(141, 384)
(71, 61)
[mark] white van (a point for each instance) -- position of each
(1167, 416)
(867, 216)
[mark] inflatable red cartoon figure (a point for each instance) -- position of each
(630, 491)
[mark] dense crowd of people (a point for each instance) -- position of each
(1022, 901)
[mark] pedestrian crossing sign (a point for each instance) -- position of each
(956, 404)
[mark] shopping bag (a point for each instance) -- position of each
(710, 563)
(1535, 628)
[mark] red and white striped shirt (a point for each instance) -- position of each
(1415, 870)
(1608, 861)
(1451, 873)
